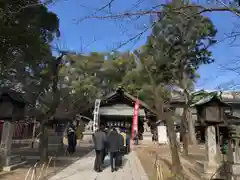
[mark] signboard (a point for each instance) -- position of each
(96, 114)
(135, 118)
(162, 134)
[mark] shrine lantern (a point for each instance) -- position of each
(212, 110)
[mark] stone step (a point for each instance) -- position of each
(14, 166)
(12, 159)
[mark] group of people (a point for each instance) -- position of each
(113, 141)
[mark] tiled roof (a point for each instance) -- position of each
(227, 97)
(14, 95)
(130, 97)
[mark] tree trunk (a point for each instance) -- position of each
(159, 105)
(187, 125)
(187, 130)
(176, 163)
(184, 131)
(191, 128)
(185, 140)
(43, 147)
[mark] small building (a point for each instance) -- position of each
(12, 105)
(116, 110)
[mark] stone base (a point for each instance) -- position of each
(163, 142)
(147, 136)
(236, 171)
(87, 136)
(12, 162)
(14, 166)
(209, 170)
(12, 159)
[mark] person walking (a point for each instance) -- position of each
(121, 150)
(135, 137)
(128, 142)
(124, 135)
(105, 150)
(72, 140)
(99, 140)
(113, 148)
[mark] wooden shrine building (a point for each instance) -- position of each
(116, 110)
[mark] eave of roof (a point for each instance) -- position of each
(128, 96)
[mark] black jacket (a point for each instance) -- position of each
(121, 142)
(113, 141)
(99, 139)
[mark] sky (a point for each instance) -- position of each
(83, 31)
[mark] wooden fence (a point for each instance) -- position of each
(22, 130)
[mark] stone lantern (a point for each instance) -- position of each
(211, 112)
(233, 156)
(12, 107)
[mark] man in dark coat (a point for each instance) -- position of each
(72, 140)
(105, 151)
(128, 141)
(113, 148)
(99, 139)
(121, 150)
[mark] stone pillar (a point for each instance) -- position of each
(233, 157)
(235, 165)
(6, 141)
(211, 148)
(6, 146)
(236, 153)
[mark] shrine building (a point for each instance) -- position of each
(116, 110)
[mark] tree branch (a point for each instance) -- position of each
(46, 2)
(158, 12)
(109, 4)
(134, 37)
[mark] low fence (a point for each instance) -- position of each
(22, 130)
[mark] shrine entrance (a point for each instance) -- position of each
(116, 110)
(121, 121)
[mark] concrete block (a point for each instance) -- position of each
(14, 166)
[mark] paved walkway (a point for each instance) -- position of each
(83, 169)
